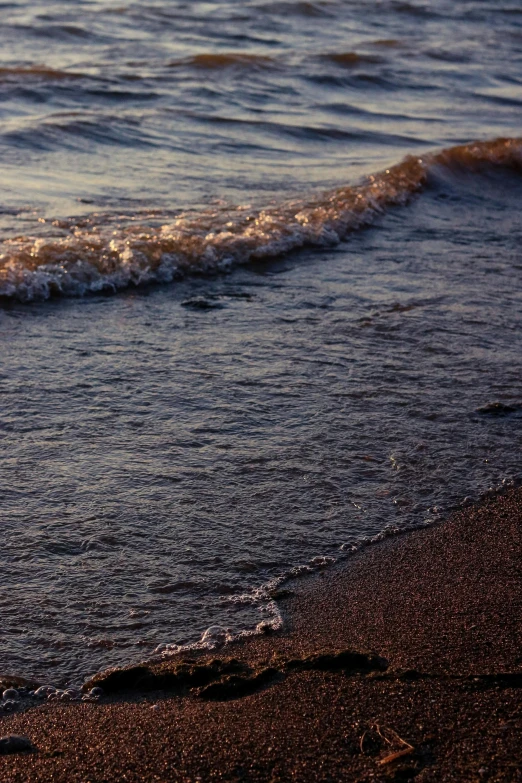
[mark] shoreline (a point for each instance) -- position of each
(402, 663)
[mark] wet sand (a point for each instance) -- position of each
(433, 693)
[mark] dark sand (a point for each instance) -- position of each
(442, 605)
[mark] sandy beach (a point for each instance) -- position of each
(403, 664)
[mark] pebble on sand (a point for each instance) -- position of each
(14, 743)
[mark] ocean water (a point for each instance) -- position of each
(260, 302)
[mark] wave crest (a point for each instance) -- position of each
(95, 257)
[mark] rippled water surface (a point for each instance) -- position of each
(271, 380)
(138, 106)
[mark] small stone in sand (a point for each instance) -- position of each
(14, 743)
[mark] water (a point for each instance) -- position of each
(272, 383)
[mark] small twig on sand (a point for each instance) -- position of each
(361, 743)
(404, 751)
(397, 755)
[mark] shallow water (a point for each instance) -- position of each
(161, 459)
(290, 385)
(138, 107)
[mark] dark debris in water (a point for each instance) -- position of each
(499, 409)
(245, 295)
(202, 303)
(210, 301)
(401, 308)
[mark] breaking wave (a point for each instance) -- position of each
(106, 254)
